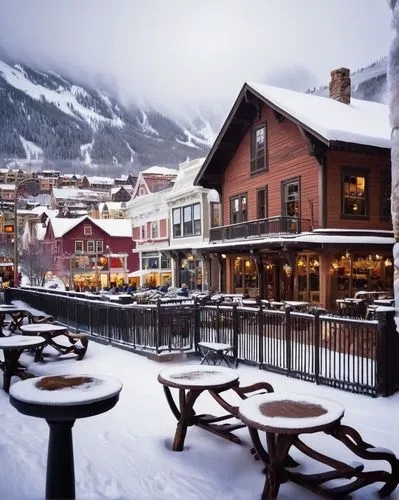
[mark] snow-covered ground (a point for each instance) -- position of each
(126, 452)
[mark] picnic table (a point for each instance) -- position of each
(284, 417)
(13, 346)
(62, 399)
(50, 332)
(17, 316)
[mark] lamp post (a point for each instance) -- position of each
(108, 249)
(30, 186)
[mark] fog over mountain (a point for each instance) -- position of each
(47, 116)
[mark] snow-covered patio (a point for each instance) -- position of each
(125, 453)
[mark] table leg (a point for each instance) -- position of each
(60, 479)
(11, 367)
(275, 459)
(187, 414)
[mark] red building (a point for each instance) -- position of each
(305, 187)
(90, 252)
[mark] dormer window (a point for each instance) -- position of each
(258, 149)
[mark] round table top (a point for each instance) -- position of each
(68, 389)
(198, 377)
(42, 328)
(289, 413)
(20, 342)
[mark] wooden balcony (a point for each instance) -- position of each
(260, 228)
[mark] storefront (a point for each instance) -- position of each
(354, 272)
(99, 271)
(6, 272)
(155, 270)
(191, 272)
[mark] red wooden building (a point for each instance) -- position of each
(90, 252)
(305, 186)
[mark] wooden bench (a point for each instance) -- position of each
(215, 353)
(17, 321)
(80, 343)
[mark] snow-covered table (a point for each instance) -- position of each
(13, 346)
(50, 331)
(61, 399)
(17, 315)
(214, 353)
(195, 379)
(284, 417)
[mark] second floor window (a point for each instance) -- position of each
(215, 214)
(91, 246)
(87, 230)
(187, 220)
(261, 208)
(258, 149)
(176, 222)
(142, 233)
(354, 193)
(155, 230)
(238, 208)
(291, 198)
(78, 246)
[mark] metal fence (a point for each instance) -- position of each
(353, 355)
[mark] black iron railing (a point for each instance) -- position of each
(260, 227)
(353, 355)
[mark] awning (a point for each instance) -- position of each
(140, 272)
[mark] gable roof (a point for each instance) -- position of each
(113, 227)
(331, 122)
(360, 122)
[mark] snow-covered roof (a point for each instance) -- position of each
(159, 170)
(39, 210)
(7, 187)
(365, 238)
(186, 175)
(360, 122)
(113, 227)
(108, 181)
(74, 193)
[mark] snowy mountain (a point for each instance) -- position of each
(46, 116)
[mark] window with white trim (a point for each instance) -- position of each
(87, 230)
(79, 246)
(91, 246)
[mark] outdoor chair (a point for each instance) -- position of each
(216, 353)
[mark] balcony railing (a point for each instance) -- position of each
(260, 228)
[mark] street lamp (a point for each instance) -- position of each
(27, 187)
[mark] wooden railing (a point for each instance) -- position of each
(260, 227)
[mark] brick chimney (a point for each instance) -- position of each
(340, 85)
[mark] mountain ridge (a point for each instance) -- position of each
(50, 117)
(62, 121)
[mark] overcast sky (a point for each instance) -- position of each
(199, 50)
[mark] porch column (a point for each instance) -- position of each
(328, 282)
(229, 281)
(260, 272)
